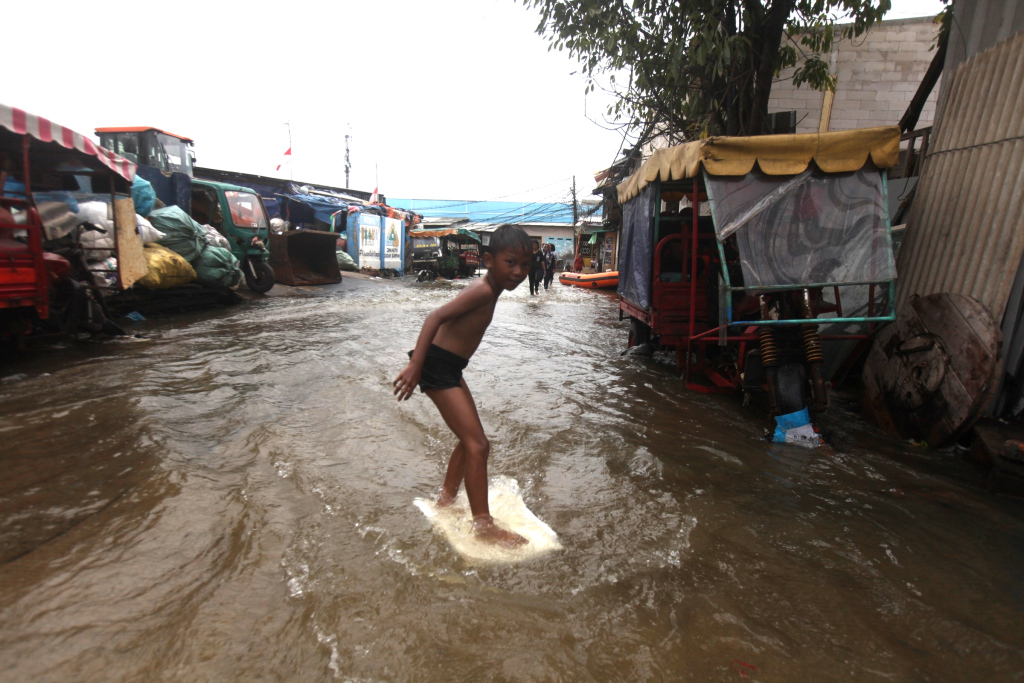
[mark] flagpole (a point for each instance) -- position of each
(291, 171)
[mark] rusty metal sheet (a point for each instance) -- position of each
(965, 232)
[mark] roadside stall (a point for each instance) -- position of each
(68, 229)
(448, 252)
(596, 248)
(797, 229)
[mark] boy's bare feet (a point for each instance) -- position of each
(444, 500)
(486, 530)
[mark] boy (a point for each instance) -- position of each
(448, 339)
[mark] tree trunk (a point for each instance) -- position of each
(931, 77)
(766, 46)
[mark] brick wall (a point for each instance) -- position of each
(877, 75)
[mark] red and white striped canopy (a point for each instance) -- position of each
(23, 123)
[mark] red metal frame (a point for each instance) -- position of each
(24, 280)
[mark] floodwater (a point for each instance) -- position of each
(232, 500)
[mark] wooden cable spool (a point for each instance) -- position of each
(931, 374)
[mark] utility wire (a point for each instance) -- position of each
(454, 203)
(527, 208)
(541, 209)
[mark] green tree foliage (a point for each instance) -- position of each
(700, 67)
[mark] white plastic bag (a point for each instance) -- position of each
(214, 238)
(97, 245)
(146, 230)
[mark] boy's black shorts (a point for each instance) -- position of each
(442, 369)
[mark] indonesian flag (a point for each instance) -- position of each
(374, 198)
(287, 159)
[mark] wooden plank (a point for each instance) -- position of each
(131, 260)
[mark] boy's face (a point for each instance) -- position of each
(508, 267)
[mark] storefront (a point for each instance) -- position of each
(599, 250)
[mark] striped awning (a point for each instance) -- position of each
(21, 122)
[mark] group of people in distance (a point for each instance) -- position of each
(542, 267)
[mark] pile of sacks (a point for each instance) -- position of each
(186, 251)
(99, 242)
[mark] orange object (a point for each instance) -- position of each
(604, 280)
(141, 129)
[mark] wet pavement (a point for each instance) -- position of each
(231, 499)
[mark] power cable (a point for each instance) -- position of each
(454, 203)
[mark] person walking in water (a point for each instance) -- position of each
(549, 264)
(536, 269)
(449, 337)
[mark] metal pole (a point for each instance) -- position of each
(348, 162)
(575, 210)
(693, 272)
(291, 169)
(117, 244)
(26, 170)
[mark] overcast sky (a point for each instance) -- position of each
(455, 99)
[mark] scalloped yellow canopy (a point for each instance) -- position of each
(837, 152)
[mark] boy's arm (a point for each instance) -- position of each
(468, 300)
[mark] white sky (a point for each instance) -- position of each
(446, 99)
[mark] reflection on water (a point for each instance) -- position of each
(232, 500)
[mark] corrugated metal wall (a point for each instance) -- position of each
(965, 233)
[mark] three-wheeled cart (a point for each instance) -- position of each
(737, 251)
(451, 252)
(46, 286)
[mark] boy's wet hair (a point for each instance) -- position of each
(510, 238)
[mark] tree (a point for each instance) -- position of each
(700, 67)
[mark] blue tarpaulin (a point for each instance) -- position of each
(636, 248)
(309, 209)
(173, 190)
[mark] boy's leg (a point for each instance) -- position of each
(453, 477)
(469, 459)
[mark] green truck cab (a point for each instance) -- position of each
(238, 214)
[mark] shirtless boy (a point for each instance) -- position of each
(448, 339)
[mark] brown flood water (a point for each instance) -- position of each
(231, 500)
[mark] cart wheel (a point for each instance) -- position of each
(639, 332)
(791, 388)
(259, 276)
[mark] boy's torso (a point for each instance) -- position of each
(462, 335)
